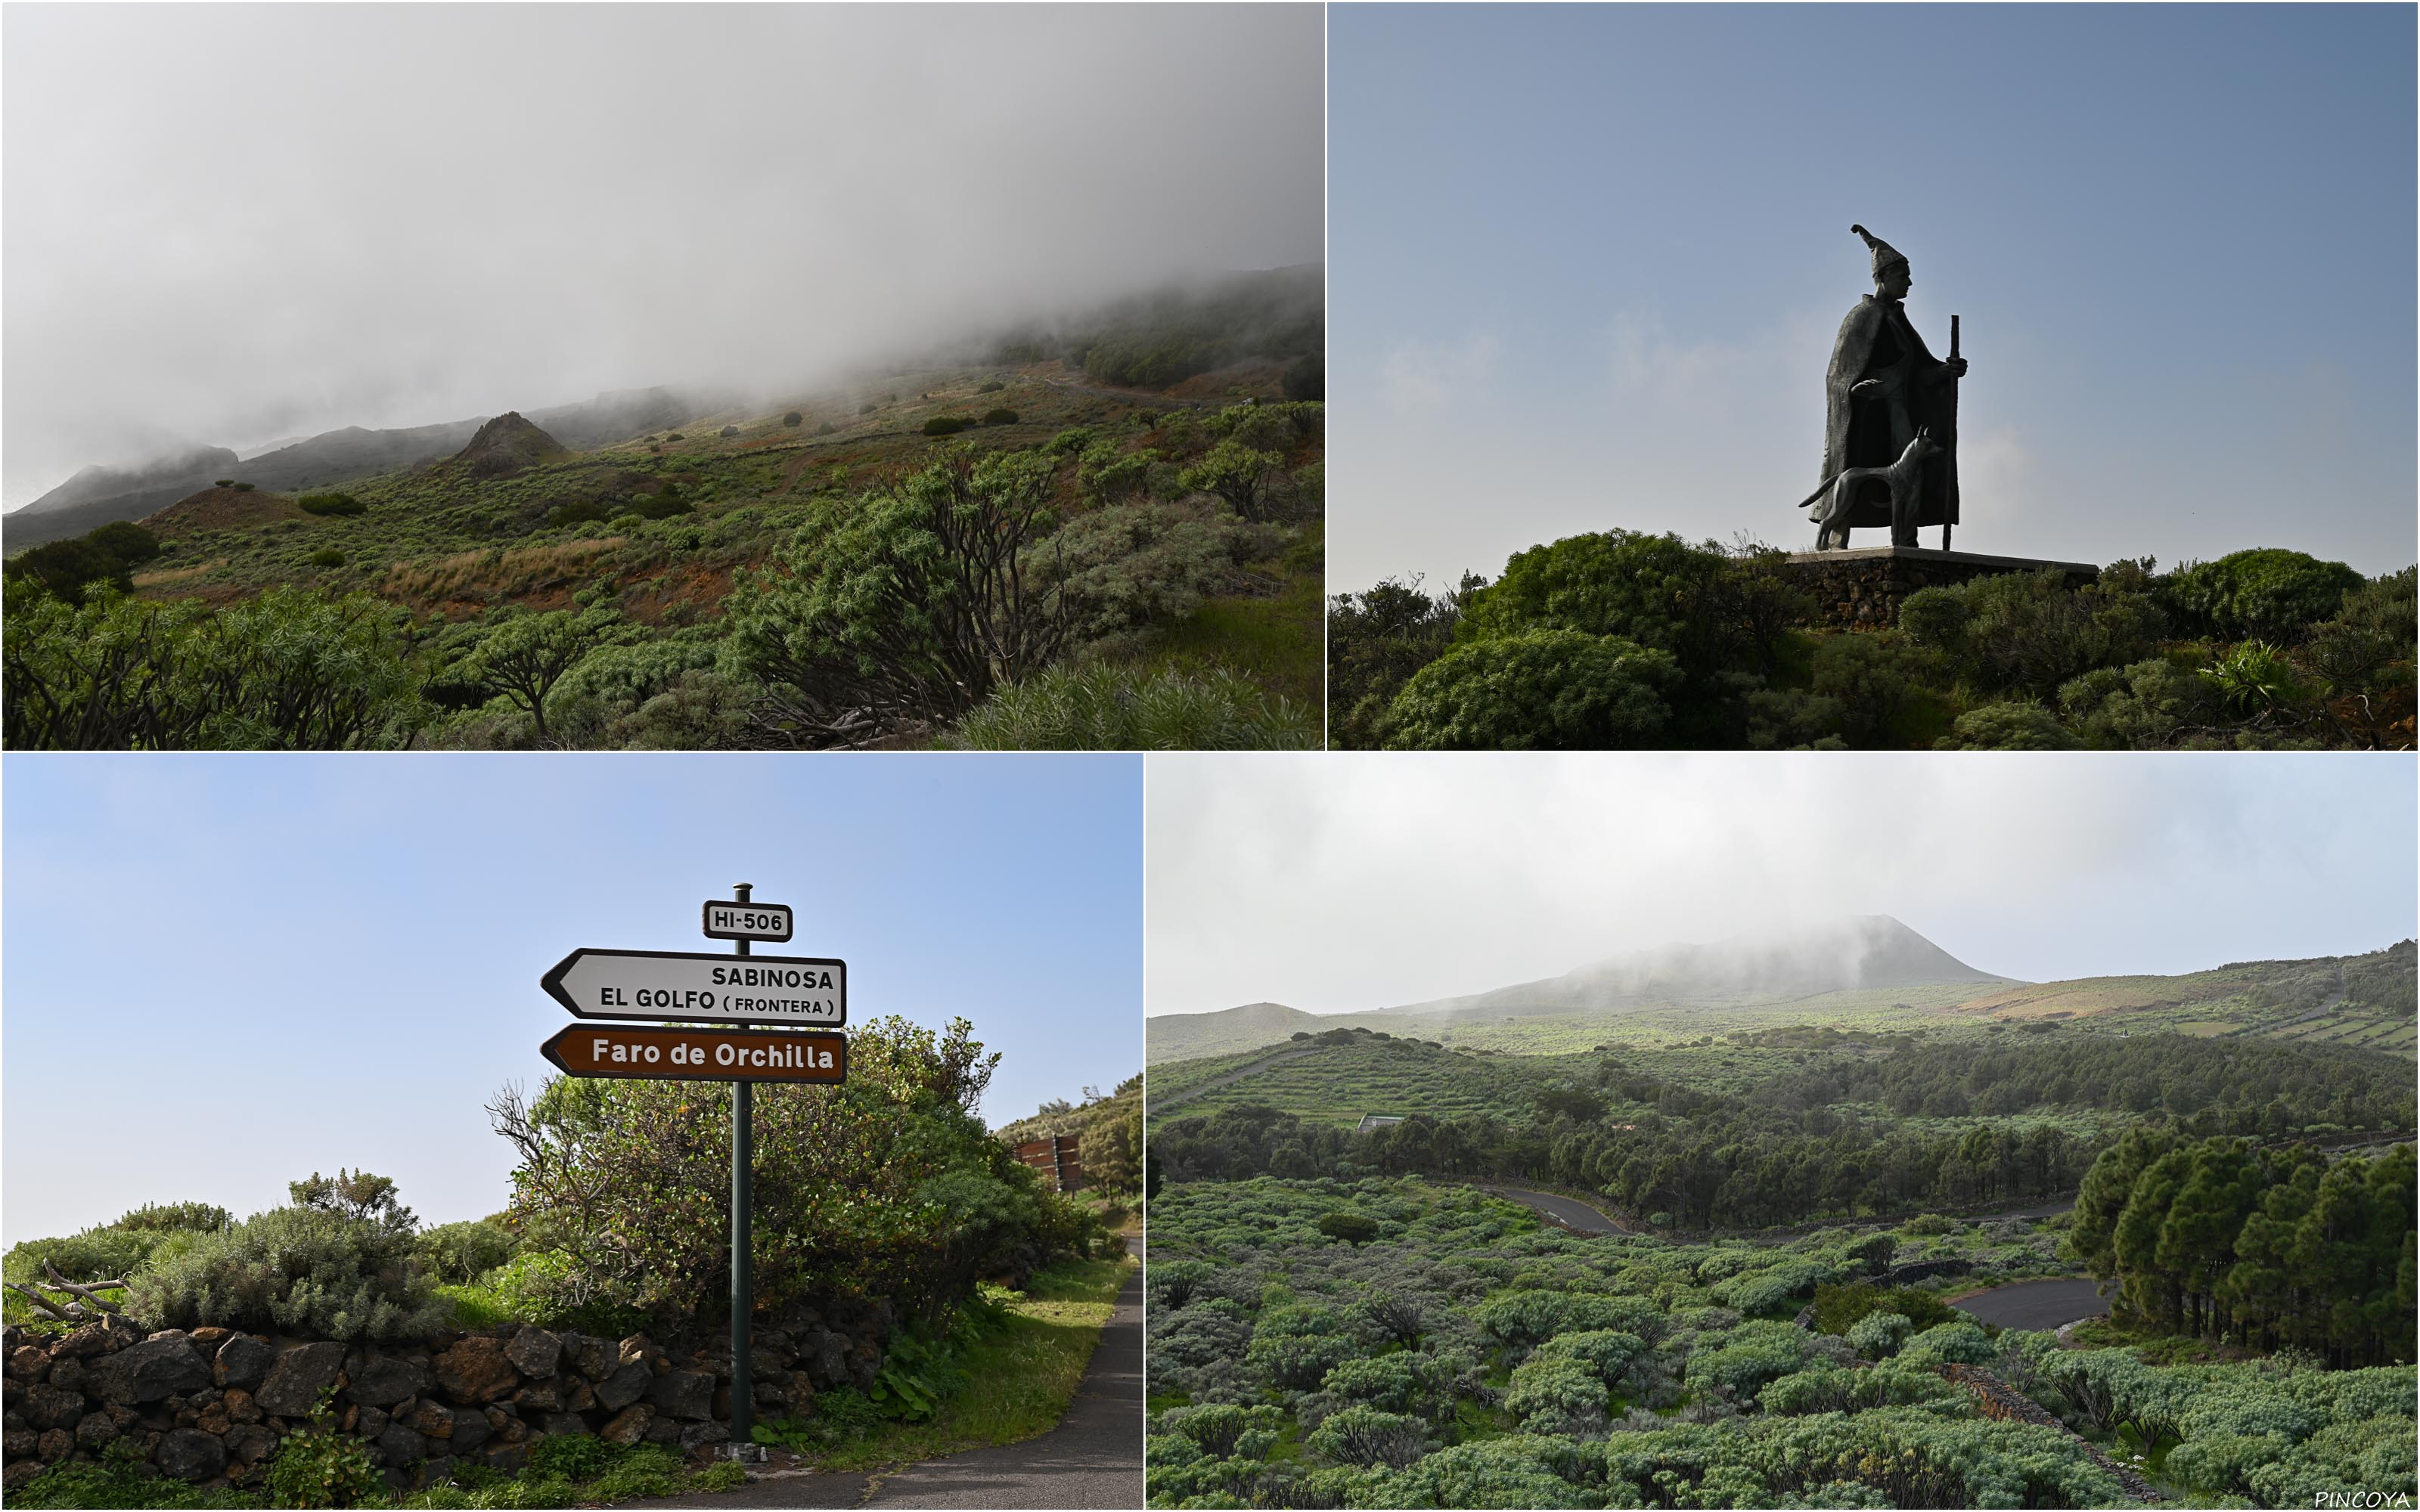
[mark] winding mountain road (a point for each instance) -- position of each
(2037, 1305)
(1572, 1214)
(1093, 1459)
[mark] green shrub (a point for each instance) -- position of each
(2008, 726)
(1959, 1342)
(1246, 478)
(1351, 1228)
(123, 1479)
(195, 1217)
(2142, 706)
(1000, 417)
(579, 512)
(2030, 632)
(1126, 567)
(794, 419)
(1367, 1436)
(729, 431)
(462, 1253)
(1539, 689)
(331, 503)
(573, 1456)
(990, 386)
(292, 1271)
(2371, 633)
(327, 556)
(1109, 707)
(1840, 1307)
(107, 557)
(321, 1467)
(2253, 677)
(2270, 594)
(244, 488)
(1878, 1335)
(947, 424)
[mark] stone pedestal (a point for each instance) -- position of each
(1861, 587)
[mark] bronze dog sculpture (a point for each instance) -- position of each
(1905, 480)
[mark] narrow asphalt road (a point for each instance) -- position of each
(1093, 1459)
(1577, 1215)
(2037, 1305)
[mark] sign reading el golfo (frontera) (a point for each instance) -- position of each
(699, 1054)
(712, 988)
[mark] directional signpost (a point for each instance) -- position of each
(806, 993)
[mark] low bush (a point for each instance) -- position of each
(1109, 707)
(1539, 689)
(794, 419)
(2268, 593)
(947, 424)
(462, 1253)
(292, 1271)
(1000, 417)
(331, 503)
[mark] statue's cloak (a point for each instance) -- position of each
(1860, 433)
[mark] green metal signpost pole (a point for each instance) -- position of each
(743, 1130)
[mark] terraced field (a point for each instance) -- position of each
(1339, 1084)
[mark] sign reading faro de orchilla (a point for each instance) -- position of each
(700, 1055)
(808, 990)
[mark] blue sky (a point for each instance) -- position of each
(222, 973)
(1585, 265)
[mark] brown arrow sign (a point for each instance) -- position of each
(698, 1055)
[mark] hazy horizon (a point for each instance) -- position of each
(1350, 881)
(212, 238)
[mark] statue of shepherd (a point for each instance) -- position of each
(1884, 390)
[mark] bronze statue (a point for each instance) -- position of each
(1884, 391)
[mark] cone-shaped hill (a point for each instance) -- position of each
(507, 445)
(1840, 955)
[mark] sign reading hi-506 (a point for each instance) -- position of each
(712, 988)
(728, 920)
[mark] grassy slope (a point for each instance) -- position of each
(1019, 1383)
(444, 544)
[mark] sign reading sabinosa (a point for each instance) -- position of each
(713, 989)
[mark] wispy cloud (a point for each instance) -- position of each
(1423, 377)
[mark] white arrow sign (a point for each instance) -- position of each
(809, 990)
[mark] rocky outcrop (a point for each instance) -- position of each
(508, 445)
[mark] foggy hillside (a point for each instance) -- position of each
(188, 273)
(1148, 341)
(1839, 955)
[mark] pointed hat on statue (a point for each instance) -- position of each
(1884, 254)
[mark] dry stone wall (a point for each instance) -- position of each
(211, 1405)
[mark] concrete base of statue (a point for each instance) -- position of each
(1860, 588)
